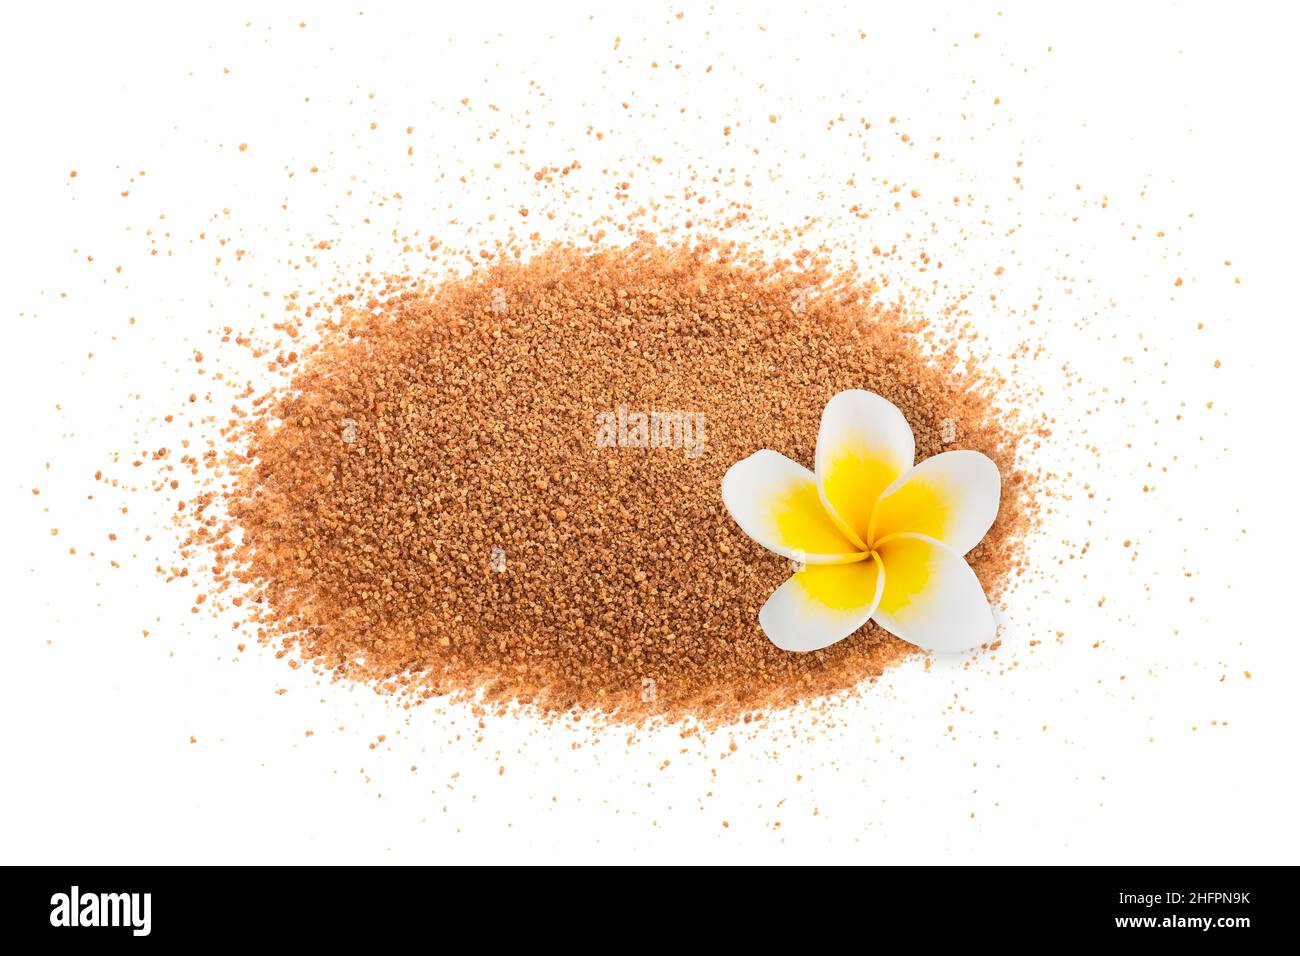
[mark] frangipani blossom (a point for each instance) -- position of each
(874, 537)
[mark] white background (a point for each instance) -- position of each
(1129, 733)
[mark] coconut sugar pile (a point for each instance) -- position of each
(431, 506)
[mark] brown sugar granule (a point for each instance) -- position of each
(426, 507)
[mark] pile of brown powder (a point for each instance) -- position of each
(428, 507)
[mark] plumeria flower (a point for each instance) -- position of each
(873, 536)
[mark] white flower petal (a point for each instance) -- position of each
(822, 604)
(952, 497)
(931, 596)
(863, 445)
(775, 501)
